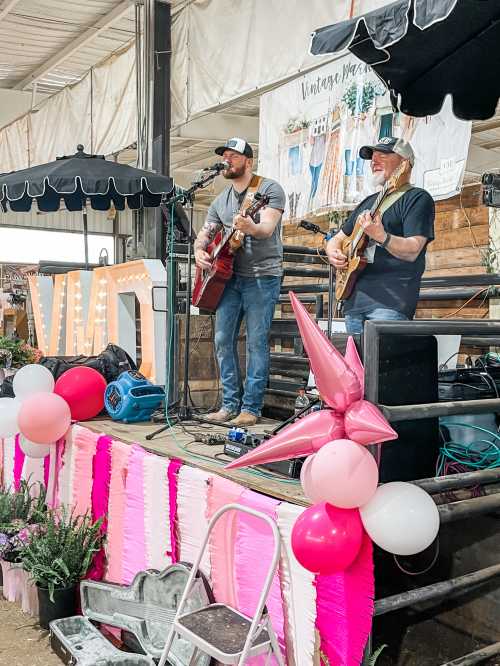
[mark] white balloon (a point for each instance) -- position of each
(32, 378)
(32, 449)
(401, 518)
(9, 410)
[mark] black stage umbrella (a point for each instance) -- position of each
(78, 179)
(424, 50)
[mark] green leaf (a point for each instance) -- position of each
(375, 655)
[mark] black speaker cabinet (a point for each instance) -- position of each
(408, 375)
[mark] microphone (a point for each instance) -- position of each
(218, 167)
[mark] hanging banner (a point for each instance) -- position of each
(311, 130)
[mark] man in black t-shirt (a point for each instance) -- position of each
(388, 287)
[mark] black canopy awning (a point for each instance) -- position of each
(81, 178)
(424, 50)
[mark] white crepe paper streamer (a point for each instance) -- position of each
(67, 471)
(9, 447)
(299, 593)
(33, 469)
(156, 509)
(192, 489)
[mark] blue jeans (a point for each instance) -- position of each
(354, 323)
(253, 299)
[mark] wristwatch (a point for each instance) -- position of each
(386, 240)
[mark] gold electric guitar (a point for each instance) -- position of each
(354, 246)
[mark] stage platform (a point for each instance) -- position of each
(178, 442)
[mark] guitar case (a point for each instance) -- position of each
(143, 610)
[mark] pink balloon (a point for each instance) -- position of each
(301, 438)
(326, 539)
(44, 417)
(335, 381)
(354, 362)
(306, 480)
(344, 474)
(365, 424)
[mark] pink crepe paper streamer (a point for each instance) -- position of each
(134, 546)
(120, 454)
(223, 538)
(173, 471)
(84, 445)
(344, 605)
(46, 469)
(101, 466)
(253, 555)
(19, 457)
(53, 482)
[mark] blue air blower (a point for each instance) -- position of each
(132, 398)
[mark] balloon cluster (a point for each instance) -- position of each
(340, 475)
(42, 409)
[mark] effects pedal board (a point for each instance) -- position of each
(239, 442)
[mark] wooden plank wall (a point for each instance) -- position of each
(461, 242)
(460, 248)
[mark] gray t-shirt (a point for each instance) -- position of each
(258, 256)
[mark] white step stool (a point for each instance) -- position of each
(219, 630)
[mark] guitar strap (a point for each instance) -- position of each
(389, 201)
(251, 190)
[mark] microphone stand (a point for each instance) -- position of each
(315, 229)
(185, 196)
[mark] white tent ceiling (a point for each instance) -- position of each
(53, 43)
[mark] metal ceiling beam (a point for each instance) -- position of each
(87, 36)
(6, 7)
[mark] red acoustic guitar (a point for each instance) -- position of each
(209, 284)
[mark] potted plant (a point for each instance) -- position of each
(20, 511)
(57, 556)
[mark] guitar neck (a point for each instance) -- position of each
(378, 201)
(374, 208)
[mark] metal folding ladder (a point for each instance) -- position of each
(223, 632)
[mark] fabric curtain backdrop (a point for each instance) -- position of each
(49, 138)
(426, 49)
(99, 112)
(250, 45)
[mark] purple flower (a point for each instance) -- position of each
(5, 544)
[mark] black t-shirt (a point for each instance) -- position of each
(390, 282)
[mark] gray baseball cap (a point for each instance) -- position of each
(389, 144)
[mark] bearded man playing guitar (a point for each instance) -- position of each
(254, 288)
(388, 286)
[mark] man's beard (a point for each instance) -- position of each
(378, 178)
(234, 172)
